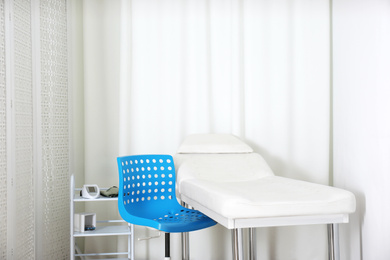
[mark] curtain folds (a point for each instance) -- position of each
(156, 71)
(34, 130)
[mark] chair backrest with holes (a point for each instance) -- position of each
(146, 186)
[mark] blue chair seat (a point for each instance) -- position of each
(181, 220)
(147, 195)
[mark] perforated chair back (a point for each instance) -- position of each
(147, 195)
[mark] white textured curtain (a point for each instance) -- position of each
(34, 130)
(156, 71)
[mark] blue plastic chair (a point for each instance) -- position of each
(147, 196)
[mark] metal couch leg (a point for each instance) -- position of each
(238, 253)
(185, 241)
(185, 251)
(333, 242)
(252, 244)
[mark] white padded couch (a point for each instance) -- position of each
(224, 178)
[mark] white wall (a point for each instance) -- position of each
(361, 87)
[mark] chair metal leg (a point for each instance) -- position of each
(252, 244)
(167, 246)
(333, 242)
(238, 253)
